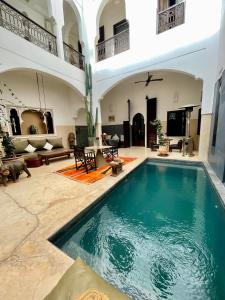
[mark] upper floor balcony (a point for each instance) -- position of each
(171, 16)
(114, 45)
(22, 25)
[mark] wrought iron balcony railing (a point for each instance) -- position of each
(73, 57)
(114, 45)
(15, 21)
(171, 17)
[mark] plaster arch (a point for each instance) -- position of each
(69, 83)
(78, 16)
(99, 10)
(123, 78)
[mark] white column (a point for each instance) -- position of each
(59, 40)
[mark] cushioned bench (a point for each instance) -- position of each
(57, 150)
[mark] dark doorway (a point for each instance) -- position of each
(138, 130)
(176, 123)
(120, 26)
(172, 2)
(151, 116)
(118, 39)
(126, 132)
(101, 45)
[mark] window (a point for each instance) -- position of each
(176, 123)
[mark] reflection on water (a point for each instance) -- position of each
(157, 236)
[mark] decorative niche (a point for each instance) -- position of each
(27, 121)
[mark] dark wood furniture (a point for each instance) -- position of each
(84, 159)
(177, 146)
(34, 162)
(151, 116)
(46, 155)
(110, 153)
(117, 167)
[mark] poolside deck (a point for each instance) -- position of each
(35, 208)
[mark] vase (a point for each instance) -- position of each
(91, 140)
(163, 150)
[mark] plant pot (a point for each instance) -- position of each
(163, 150)
(91, 140)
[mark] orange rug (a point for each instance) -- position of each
(93, 176)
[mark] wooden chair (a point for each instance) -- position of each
(86, 159)
(110, 153)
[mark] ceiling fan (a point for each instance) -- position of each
(149, 79)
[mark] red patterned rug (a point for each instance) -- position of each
(93, 176)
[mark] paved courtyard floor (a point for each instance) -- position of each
(32, 210)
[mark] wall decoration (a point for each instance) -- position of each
(111, 118)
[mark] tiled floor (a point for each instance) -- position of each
(32, 210)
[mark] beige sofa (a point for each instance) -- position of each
(38, 143)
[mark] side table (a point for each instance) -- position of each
(34, 162)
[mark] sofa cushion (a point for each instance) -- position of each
(55, 142)
(30, 149)
(20, 145)
(38, 143)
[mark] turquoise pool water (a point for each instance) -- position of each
(160, 234)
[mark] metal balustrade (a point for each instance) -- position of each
(73, 56)
(14, 21)
(171, 17)
(114, 45)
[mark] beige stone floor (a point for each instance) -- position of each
(32, 210)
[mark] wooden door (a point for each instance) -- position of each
(126, 132)
(138, 130)
(151, 116)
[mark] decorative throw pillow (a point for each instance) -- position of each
(48, 146)
(30, 149)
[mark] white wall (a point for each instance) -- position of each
(173, 92)
(59, 97)
(70, 29)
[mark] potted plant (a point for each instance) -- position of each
(163, 147)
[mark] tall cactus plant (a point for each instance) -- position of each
(88, 102)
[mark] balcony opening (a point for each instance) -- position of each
(171, 13)
(71, 37)
(113, 30)
(30, 21)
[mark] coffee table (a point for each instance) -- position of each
(46, 155)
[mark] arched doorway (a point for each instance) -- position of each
(138, 130)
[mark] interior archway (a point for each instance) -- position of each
(43, 95)
(175, 90)
(72, 36)
(112, 28)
